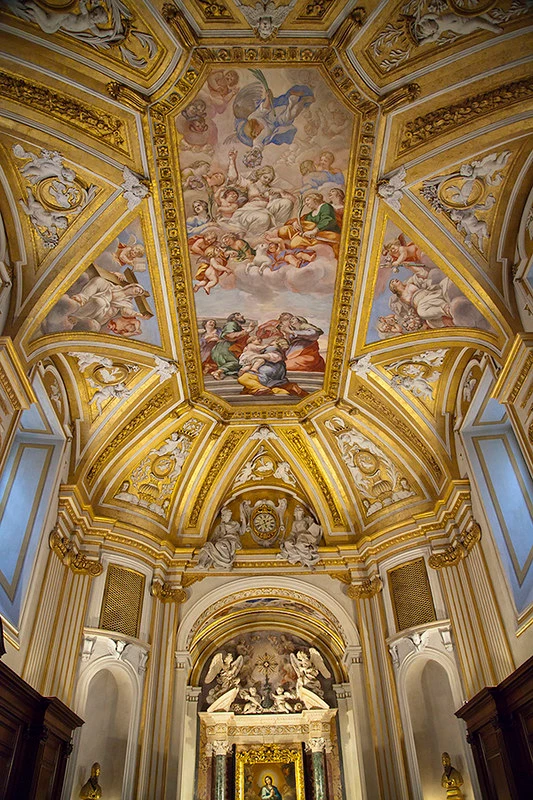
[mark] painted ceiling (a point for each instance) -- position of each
(261, 250)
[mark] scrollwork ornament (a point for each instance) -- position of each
(76, 561)
(365, 589)
(168, 593)
(459, 548)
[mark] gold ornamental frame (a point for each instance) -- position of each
(267, 759)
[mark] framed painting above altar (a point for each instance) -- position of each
(270, 772)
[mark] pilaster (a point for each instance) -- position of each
(381, 690)
(482, 646)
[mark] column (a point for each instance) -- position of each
(514, 388)
(381, 689)
(52, 656)
(482, 647)
(317, 748)
(159, 691)
(220, 750)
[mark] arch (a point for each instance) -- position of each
(125, 675)
(410, 681)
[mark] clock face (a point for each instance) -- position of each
(264, 522)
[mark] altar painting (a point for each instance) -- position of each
(264, 156)
(270, 773)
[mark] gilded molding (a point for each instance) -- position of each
(77, 561)
(366, 589)
(168, 592)
(92, 121)
(399, 97)
(400, 426)
(303, 452)
(154, 404)
(459, 549)
(173, 16)
(130, 97)
(448, 118)
(231, 443)
(524, 372)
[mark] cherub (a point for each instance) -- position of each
(251, 357)
(280, 699)
(51, 21)
(49, 164)
(401, 251)
(433, 26)
(209, 269)
(253, 701)
(132, 254)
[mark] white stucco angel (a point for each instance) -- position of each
(117, 391)
(47, 223)
(308, 666)
(265, 17)
(281, 698)
(300, 547)
(253, 701)
(133, 189)
(391, 188)
(284, 473)
(48, 164)
(225, 668)
(220, 550)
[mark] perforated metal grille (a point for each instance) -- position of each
(411, 595)
(122, 603)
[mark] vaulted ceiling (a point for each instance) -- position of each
(158, 167)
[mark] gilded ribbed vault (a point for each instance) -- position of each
(133, 131)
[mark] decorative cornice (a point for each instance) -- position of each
(368, 588)
(448, 118)
(168, 592)
(459, 548)
(399, 97)
(130, 97)
(88, 119)
(77, 561)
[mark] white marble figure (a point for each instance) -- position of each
(47, 223)
(390, 189)
(117, 391)
(125, 494)
(284, 473)
(226, 669)
(87, 359)
(49, 164)
(133, 190)
(435, 25)
(280, 699)
(220, 550)
(361, 366)
(263, 432)
(253, 701)
(466, 221)
(177, 447)
(98, 23)
(265, 17)
(487, 170)
(308, 666)
(300, 547)
(165, 369)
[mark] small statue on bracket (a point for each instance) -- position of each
(92, 789)
(451, 779)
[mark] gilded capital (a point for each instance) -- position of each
(77, 561)
(168, 592)
(365, 589)
(459, 548)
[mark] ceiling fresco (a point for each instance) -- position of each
(259, 253)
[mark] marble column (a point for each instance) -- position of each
(317, 748)
(220, 751)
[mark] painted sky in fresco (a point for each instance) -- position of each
(264, 156)
(412, 294)
(113, 296)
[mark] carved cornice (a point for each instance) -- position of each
(88, 119)
(448, 118)
(130, 97)
(71, 557)
(399, 97)
(368, 588)
(168, 593)
(154, 404)
(459, 548)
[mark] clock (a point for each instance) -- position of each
(264, 525)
